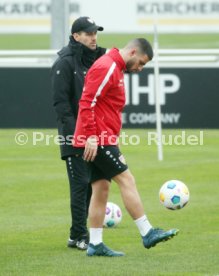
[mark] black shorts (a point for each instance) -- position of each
(108, 163)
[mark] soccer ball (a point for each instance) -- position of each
(174, 194)
(113, 215)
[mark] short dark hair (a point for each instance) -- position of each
(143, 45)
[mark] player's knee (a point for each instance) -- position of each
(125, 179)
(101, 188)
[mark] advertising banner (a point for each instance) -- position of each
(189, 98)
(123, 16)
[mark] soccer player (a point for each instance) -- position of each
(97, 129)
(67, 75)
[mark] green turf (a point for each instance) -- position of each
(22, 41)
(34, 216)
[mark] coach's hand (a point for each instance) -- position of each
(90, 150)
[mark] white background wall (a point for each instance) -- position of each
(117, 16)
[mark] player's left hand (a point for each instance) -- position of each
(90, 150)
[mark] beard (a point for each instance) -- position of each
(129, 66)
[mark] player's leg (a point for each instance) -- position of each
(131, 198)
(100, 191)
(129, 193)
(79, 183)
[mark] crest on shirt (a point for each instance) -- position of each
(121, 82)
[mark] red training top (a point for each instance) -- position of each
(102, 101)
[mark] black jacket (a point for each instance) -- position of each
(67, 77)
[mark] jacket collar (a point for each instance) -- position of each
(115, 55)
(86, 55)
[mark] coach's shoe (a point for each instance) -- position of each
(156, 235)
(72, 243)
(102, 250)
(80, 243)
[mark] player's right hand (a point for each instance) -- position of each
(90, 150)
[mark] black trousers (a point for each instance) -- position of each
(80, 194)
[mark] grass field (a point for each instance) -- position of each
(196, 41)
(34, 198)
(35, 213)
